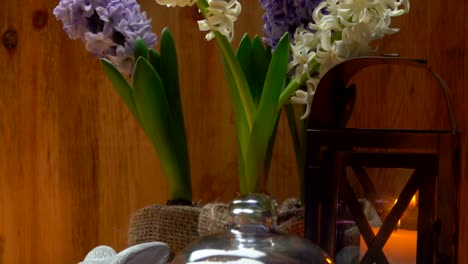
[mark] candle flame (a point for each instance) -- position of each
(399, 220)
(411, 205)
(413, 201)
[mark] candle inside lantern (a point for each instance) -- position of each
(400, 247)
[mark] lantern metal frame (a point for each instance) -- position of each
(331, 148)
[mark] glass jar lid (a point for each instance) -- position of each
(252, 239)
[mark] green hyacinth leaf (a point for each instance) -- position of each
(121, 85)
(169, 72)
(155, 59)
(242, 86)
(170, 77)
(266, 117)
(140, 49)
(153, 108)
(241, 123)
(169, 68)
(260, 61)
(269, 151)
(244, 55)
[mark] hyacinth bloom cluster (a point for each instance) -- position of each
(220, 15)
(119, 34)
(283, 16)
(341, 29)
(109, 28)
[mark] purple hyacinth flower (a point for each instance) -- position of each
(109, 28)
(283, 16)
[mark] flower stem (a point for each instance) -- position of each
(288, 92)
(235, 67)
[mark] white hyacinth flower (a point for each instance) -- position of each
(220, 16)
(358, 11)
(306, 97)
(406, 5)
(367, 11)
(342, 29)
(173, 3)
(395, 4)
(303, 52)
(331, 56)
(356, 39)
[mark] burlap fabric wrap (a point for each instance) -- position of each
(291, 217)
(215, 218)
(176, 226)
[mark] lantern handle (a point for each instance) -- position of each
(332, 101)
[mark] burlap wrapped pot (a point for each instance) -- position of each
(174, 225)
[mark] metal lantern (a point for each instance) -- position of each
(338, 161)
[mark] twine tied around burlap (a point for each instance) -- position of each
(214, 218)
(174, 225)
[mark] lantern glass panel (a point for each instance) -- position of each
(377, 191)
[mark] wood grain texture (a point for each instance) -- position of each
(75, 165)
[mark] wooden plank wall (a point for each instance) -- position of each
(74, 164)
